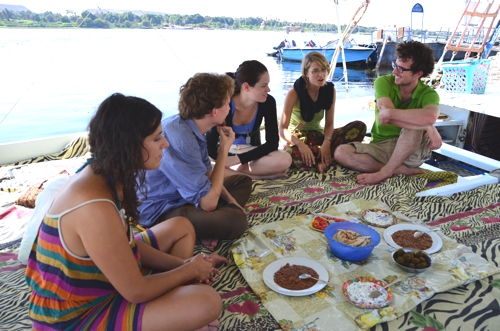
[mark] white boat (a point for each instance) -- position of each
(294, 48)
(352, 51)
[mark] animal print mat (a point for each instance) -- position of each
(471, 218)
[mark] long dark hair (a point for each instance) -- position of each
(116, 135)
(248, 72)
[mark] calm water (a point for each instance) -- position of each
(53, 80)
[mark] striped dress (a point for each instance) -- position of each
(70, 292)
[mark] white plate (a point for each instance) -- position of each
(437, 243)
(268, 275)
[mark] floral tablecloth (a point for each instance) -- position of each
(455, 265)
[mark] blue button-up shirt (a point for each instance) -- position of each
(182, 175)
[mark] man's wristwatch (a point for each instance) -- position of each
(330, 139)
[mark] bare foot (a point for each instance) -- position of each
(321, 167)
(380, 176)
(404, 170)
(373, 178)
(217, 259)
(273, 176)
(209, 244)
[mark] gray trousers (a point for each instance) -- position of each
(227, 221)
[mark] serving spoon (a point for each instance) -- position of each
(306, 276)
(376, 293)
(421, 233)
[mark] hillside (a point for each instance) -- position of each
(14, 8)
(19, 8)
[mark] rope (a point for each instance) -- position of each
(345, 35)
(166, 43)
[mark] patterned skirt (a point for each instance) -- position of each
(354, 131)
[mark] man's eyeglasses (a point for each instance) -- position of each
(399, 69)
(317, 71)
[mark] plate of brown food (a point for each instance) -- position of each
(282, 276)
(402, 236)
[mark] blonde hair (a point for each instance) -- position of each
(309, 59)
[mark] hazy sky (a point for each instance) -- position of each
(380, 13)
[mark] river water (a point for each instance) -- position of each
(52, 80)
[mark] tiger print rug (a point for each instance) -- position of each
(471, 218)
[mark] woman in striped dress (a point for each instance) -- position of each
(87, 272)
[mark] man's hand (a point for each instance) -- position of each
(227, 137)
(384, 115)
(435, 138)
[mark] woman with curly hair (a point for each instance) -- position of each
(87, 272)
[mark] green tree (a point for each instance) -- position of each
(129, 16)
(111, 17)
(146, 23)
(87, 14)
(174, 19)
(87, 23)
(100, 24)
(7, 14)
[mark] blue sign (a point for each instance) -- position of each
(417, 8)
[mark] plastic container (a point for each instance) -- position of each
(347, 252)
(466, 76)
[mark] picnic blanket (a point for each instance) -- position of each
(471, 218)
(327, 309)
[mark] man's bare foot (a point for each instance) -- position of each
(371, 179)
(273, 176)
(321, 167)
(217, 259)
(209, 244)
(404, 170)
(380, 176)
(374, 178)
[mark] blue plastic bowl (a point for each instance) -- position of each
(347, 252)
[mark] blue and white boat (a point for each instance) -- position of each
(289, 51)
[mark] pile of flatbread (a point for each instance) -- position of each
(352, 238)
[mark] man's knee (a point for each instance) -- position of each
(411, 135)
(343, 151)
(239, 225)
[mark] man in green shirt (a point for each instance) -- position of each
(403, 134)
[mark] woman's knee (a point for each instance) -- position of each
(285, 160)
(178, 226)
(212, 302)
